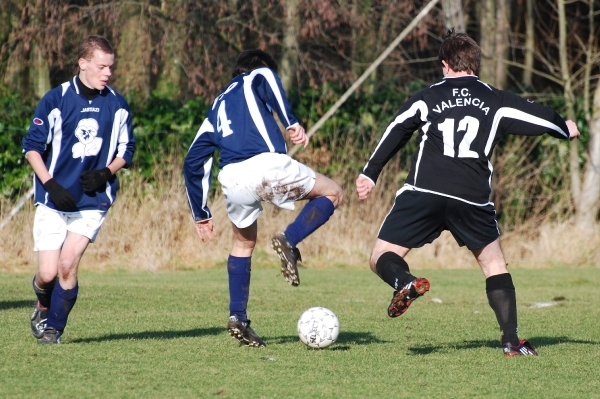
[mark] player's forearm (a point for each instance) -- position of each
(200, 210)
(536, 126)
(528, 118)
(37, 164)
(371, 172)
(197, 190)
(383, 153)
(117, 164)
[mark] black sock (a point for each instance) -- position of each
(503, 300)
(44, 293)
(392, 269)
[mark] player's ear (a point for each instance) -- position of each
(82, 64)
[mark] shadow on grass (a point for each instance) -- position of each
(347, 338)
(359, 338)
(5, 305)
(538, 342)
(196, 332)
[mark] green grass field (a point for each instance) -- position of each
(162, 335)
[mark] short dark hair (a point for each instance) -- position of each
(91, 43)
(253, 59)
(460, 52)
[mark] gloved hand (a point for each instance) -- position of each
(62, 198)
(92, 180)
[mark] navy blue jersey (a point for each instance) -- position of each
(459, 121)
(73, 135)
(240, 123)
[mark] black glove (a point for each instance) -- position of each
(92, 180)
(63, 199)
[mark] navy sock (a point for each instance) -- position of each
(314, 214)
(43, 293)
(239, 285)
(393, 269)
(503, 300)
(60, 306)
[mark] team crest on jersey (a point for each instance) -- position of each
(89, 144)
(38, 121)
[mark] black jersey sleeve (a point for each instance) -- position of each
(524, 117)
(410, 116)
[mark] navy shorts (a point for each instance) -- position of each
(418, 218)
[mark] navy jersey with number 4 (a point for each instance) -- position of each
(459, 121)
(240, 123)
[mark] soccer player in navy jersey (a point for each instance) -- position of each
(80, 136)
(459, 121)
(254, 167)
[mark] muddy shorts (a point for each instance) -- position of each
(270, 177)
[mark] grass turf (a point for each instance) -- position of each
(141, 334)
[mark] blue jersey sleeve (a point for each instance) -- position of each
(125, 142)
(44, 119)
(197, 170)
(270, 90)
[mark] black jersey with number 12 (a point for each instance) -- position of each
(459, 121)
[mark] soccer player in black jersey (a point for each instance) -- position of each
(459, 121)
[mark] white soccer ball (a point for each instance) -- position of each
(318, 327)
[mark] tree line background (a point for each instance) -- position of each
(173, 57)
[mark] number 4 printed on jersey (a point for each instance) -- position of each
(468, 124)
(222, 121)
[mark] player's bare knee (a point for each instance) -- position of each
(67, 266)
(64, 272)
(326, 187)
(373, 262)
(338, 195)
(44, 278)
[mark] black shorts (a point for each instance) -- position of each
(418, 218)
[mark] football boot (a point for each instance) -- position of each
(406, 295)
(38, 320)
(242, 331)
(290, 256)
(523, 349)
(50, 337)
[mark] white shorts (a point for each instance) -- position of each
(50, 227)
(271, 177)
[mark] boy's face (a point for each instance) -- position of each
(94, 73)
